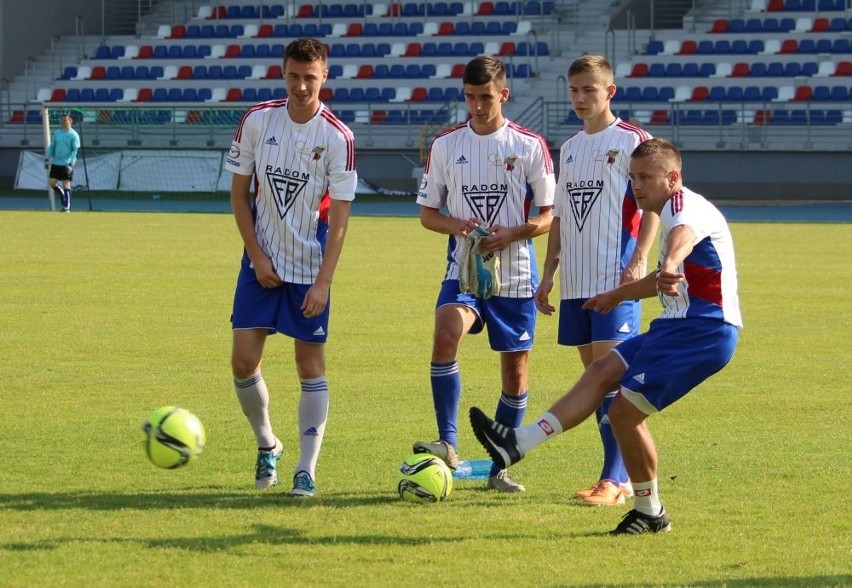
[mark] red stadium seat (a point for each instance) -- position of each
(365, 72)
(720, 25)
(326, 94)
(232, 51)
(485, 9)
(378, 117)
(775, 6)
(306, 11)
(394, 9)
(219, 11)
(145, 52)
(762, 117)
(413, 50)
(446, 28)
(144, 95)
(178, 32)
(688, 47)
(803, 94)
(98, 73)
(355, 30)
(820, 25)
(507, 48)
(17, 117)
(274, 73)
(265, 30)
(458, 70)
(740, 70)
(659, 117)
(418, 94)
(640, 70)
(233, 95)
(699, 94)
(185, 72)
(844, 68)
(789, 46)
(58, 95)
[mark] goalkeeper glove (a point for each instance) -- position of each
(47, 164)
(69, 169)
(479, 272)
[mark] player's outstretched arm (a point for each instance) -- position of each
(606, 301)
(680, 242)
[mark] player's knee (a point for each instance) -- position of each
(243, 366)
(445, 344)
(623, 414)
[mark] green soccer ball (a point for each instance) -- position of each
(172, 437)
(424, 478)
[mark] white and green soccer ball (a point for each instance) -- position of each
(424, 478)
(172, 437)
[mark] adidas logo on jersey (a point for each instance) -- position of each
(461, 160)
(319, 332)
(640, 378)
(625, 328)
(311, 432)
(524, 336)
(570, 159)
(271, 141)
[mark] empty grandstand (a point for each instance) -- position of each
(715, 76)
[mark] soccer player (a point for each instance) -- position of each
(695, 336)
(60, 159)
(599, 238)
(485, 174)
(300, 159)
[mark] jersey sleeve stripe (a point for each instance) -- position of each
(548, 161)
(335, 122)
(238, 135)
(642, 133)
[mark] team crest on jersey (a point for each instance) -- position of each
(510, 162)
(582, 201)
(285, 187)
(318, 152)
(486, 200)
(611, 155)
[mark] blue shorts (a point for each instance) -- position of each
(278, 310)
(510, 321)
(581, 327)
(672, 358)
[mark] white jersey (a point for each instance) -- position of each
(489, 177)
(710, 287)
(297, 168)
(598, 215)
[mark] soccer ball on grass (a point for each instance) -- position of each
(424, 478)
(172, 437)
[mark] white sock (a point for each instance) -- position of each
(543, 428)
(313, 414)
(254, 400)
(646, 498)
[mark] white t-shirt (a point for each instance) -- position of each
(710, 287)
(297, 168)
(598, 214)
(494, 178)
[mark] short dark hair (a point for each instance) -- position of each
(661, 151)
(596, 65)
(306, 49)
(483, 69)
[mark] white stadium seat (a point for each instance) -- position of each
(622, 70)
(44, 95)
(671, 47)
(443, 70)
(723, 70)
(682, 94)
(785, 94)
(258, 72)
(130, 52)
(803, 25)
(350, 71)
(403, 93)
(771, 47)
(430, 29)
(170, 72)
(204, 11)
(130, 95)
(826, 68)
(249, 31)
(397, 50)
(339, 29)
(216, 51)
(84, 72)
(219, 94)
(524, 27)
(163, 32)
(379, 9)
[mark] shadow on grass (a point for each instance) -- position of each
(256, 535)
(197, 498)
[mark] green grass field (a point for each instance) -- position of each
(108, 316)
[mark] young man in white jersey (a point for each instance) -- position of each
(300, 160)
(599, 238)
(695, 336)
(485, 174)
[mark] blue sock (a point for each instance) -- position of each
(68, 198)
(613, 465)
(446, 394)
(58, 189)
(510, 412)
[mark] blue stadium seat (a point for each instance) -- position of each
(739, 47)
(113, 72)
(102, 52)
(768, 93)
(821, 93)
(193, 31)
(704, 48)
(174, 95)
(650, 94)
(189, 95)
(751, 94)
(718, 94)
(840, 93)
(397, 70)
(337, 50)
(335, 71)
(633, 94)
(758, 69)
(840, 45)
(214, 72)
(229, 72)
(453, 94)
(736, 25)
(722, 47)
(175, 52)
(388, 94)
(774, 69)
(706, 70)
(248, 51)
(508, 27)
(427, 70)
(341, 95)
(674, 70)
(142, 72)
(769, 25)
(657, 70)
(792, 69)
(462, 28)
(156, 72)
(655, 48)
(264, 94)
(205, 94)
(412, 71)
(353, 50)
(475, 48)
(734, 94)
(824, 46)
(755, 46)
(372, 95)
(460, 49)
(690, 70)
